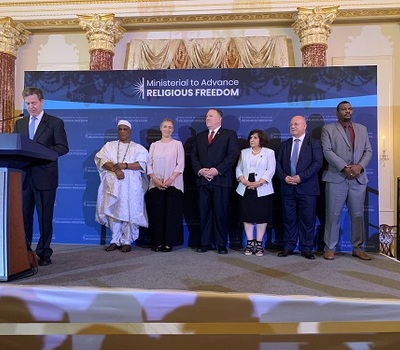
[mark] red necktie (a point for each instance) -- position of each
(347, 129)
(210, 137)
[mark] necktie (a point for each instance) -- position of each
(32, 125)
(293, 159)
(348, 134)
(211, 136)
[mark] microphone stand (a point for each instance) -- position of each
(19, 116)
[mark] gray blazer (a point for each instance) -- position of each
(337, 151)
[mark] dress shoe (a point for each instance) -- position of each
(159, 248)
(308, 255)
(111, 247)
(126, 248)
(166, 249)
(202, 249)
(222, 250)
(284, 253)
(329, 255)
(44, 262)
(361, 255)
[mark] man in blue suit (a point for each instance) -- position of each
(213, 156)
(299, 160)
(348, 151)
(41, 178)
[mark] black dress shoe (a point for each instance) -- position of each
(201, 249)
(222, 250)
(159, 248)
(44, 262)
(126, 248)
(284, 253)
(308, 255)
(166, 249)
(111, 247)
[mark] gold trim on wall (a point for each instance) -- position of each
(213, 20)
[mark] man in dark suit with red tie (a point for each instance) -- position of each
(298, 162)
(214, 154)
(41, 178)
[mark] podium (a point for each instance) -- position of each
(16, 152)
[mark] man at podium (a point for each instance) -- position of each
(40, 178)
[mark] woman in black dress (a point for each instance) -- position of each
(254, 172)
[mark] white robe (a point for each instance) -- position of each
(122, 200)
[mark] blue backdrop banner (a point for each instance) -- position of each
(91, 103)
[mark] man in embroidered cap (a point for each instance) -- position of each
(120, 199)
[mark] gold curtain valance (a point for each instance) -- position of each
(246, 52)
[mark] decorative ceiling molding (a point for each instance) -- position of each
(46, 15)
(202, 21)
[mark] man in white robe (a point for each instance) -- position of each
(120, 199)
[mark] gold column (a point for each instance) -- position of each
(102, 32)
(12, 36)
(313, 26)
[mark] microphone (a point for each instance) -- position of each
(19, 116)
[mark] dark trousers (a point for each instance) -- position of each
(299, 214)
(43, 201)
(214, 207)
(165, 213)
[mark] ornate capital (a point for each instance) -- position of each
(102, 31)
(12, 36)
(313, 25)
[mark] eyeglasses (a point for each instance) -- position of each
(295, 124)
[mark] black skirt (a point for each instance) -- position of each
(253, 209)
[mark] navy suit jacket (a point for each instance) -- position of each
(308, 164)
(222, 154)
(51, 134)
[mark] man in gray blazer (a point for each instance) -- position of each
(347, 150)
(40, 178)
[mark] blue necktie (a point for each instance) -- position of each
(32, 125)
(293, 159)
